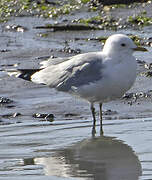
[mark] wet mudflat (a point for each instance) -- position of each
(60, 146)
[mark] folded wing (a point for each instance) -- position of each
(78, 71)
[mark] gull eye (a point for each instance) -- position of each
(123, 44)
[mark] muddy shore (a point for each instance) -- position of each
(36, 122)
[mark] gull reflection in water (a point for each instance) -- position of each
(98, 158)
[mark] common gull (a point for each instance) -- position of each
(97, 77)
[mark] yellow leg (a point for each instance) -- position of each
(94, 120)
(101, 128)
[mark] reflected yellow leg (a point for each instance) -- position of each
(101, 128)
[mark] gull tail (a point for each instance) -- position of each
(22, 73)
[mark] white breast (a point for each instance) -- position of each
(116, 80)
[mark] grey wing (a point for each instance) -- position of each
(78, 76)
(80, 70)
(53, 61)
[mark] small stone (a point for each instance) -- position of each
(16, 114)
(4, 100)
(4, 50)
(70, 114)
(148, 66)
(39, 115)
(17, 28)
(109, 112)
(48, 117)
(127, 96)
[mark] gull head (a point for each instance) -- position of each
(120, 44)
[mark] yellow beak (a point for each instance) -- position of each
(140, 49)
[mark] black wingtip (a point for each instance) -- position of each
(22, 73)
(27, 73)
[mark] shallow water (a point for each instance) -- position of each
(64, 149)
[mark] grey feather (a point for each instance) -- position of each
(77, 71)
(81, 75)
(54, 61)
